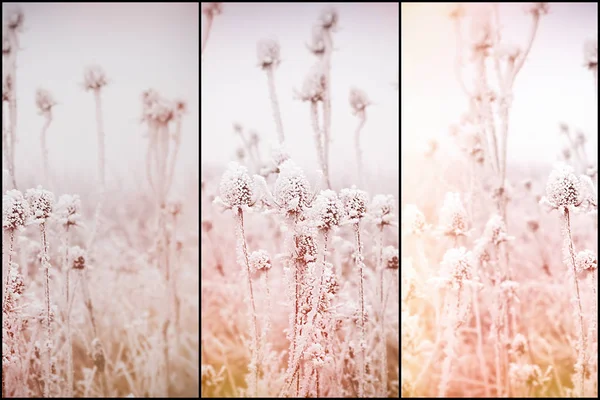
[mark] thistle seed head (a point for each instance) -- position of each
(94, 78)
(268, 52)
(15, 210)
(236, 186)
(41, 203)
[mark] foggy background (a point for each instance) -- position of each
(552, 86)
(234, 88)
(140, 46)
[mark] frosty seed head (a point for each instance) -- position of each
(390, 258)
(456, 266)
(41, 203)
(236, 186)
(382, 209)
(94, 78)
(453, 216)
(330, 281)
(563, 187)
(268, 52)
(306, 248)
(279, 154)
(44, 101)
(317, 41)
(413, 220)
(156, 108)
(518, 345)
(98, 354)
(78, 257)
(537, 9)
(358, 100)
(481, 33)
(6, 46)
(355, 203)
(292, 190)
(495, 231)
(68, 210)
(211, 9)
(15, 210)
(259, 261)
(14, 18)
(314, 85)
(590, 53)
(327, 210)
(316, 354)
(586, 261)
(329, 18)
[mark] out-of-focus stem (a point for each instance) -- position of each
(314, 113)
(275, 104)
(361, 122)
(206, 33)
(45, 163)
(361, 293)
(100, 130)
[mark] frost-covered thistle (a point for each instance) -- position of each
(359, 100)
(44, 101)
(77, 257)
(563, 188)
(495, 231)
(41, 203)
(328, 18)
(236, 187)
(68, 209)
(390, 258)
(268, 52)
(210, 10)
(355, 204)
(413, 221)
(94, 78)
(453, 217)
(537, 9)
(326, 210)
(382, 209)
(317, 41)
(15, 210)
(292, 190)
(586, 261)
(260, 261)
(314, 85)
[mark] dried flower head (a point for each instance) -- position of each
(590, 53)
(14, 18)
(317, 40)
(326, 210)
(16, 285)
(328, 18)
(495, 231)
(44, 101)
(78, 257)
(518, 345)
(236, 186)
(453, 216)
(508, 51)
(156, 108)
(355, 203)
(481, 33)
(382, 209)
(41, 203)
(586, 261)
(279, 154)
(390, 257)
(211, 9)
(68, 210)
(6, 46)
(533, 225)
(15, 210)
(413, 220)
(98, 354)
(562, 188)
(314, 85)
(259, 261)
(358, 100)
(306, 248)
(292, 190)
(316, 354)
(94, 78)
(6, 88)
(456, 267)
(268, 52)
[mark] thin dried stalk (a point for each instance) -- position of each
(361, 294)
(275, 104)
(45, 162)
(206, 34)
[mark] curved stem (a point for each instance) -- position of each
(206, 34)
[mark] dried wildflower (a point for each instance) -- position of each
(381, 209)
(292, 190)
(390, 257)
(330, 281)
(355, 203)
(316, 354)
(6, 46)
(453, 216)
(14, 18)
(78, 257)
(260, 261)
(537, 9)
(211, 9)
(98, 354)
(41, 203)
(562, 188)
(317, 41)
(586, 261)
(314, 85)
(268, 52)
(16, 285)
(236, 186)
(456, 267)
(306, 248)
(44, 100)
(279, 154)
(328, 18)
(518, 345)
(533, 225)
(15, 210)
(590, 53)
(326, 210)
(68, 210)
(94, 78)
(358, 100)
(495, 231)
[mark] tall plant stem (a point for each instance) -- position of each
(275, 104)
(206, 33)
(70, 376)
(314, 114)
(45, 163)
(359, 165)
(100, 132)
(361, 294)
(46, 267)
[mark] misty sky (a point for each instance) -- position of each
(235, 89)
(553, 85)
(140, 46)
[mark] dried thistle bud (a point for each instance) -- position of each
(495, 231)
(314, 85)
(94, 78)
(211, 9)
(317, 41)
(15, 210)
(355, 203)
(563, 187)
(537, 9)
(327, 210)
(44, 101)
(78, 257)
(68, 210)
(259, 261)
(390, 258)
(41, 203)
(456, 267)
(358, 100)
(453, 216)
(268, 52)
(236, 186)
(98, 354)
(382, 209)
(14, 18)
(590, 53)
(586, 261)
(292, 190)
(518, 345)
(328, 18)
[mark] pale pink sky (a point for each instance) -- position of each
(235, 89)
(139, 46)
(553, 85)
